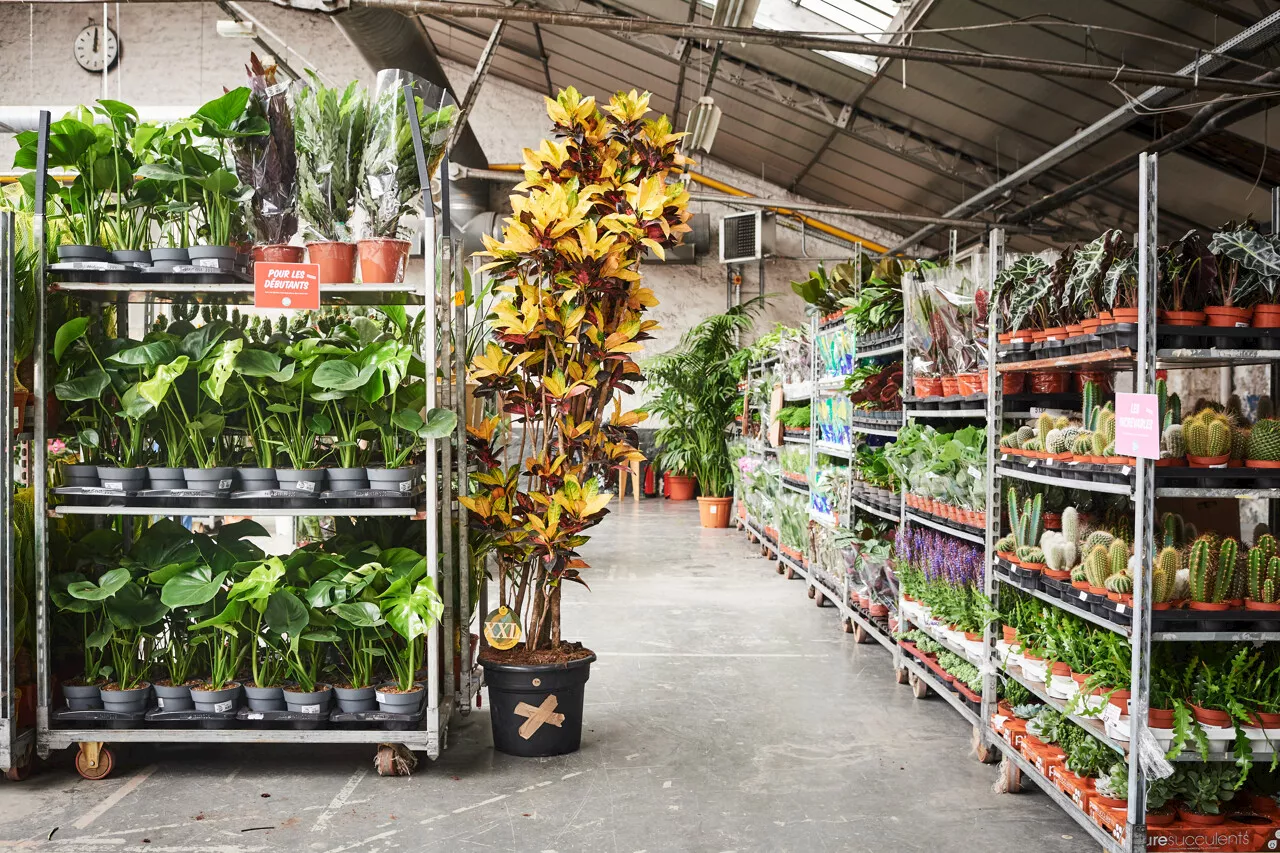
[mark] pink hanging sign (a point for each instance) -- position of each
(1138, 425)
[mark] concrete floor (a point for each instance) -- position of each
(726, 713)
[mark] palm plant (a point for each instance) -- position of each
(695, 388)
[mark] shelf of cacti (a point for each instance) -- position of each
(1197, 658)
(217, 413)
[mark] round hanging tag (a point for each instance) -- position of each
(502, 628)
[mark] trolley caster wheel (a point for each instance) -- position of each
(861, 637)
(813, 593)
(1010, 776)
(394, 759)
(984, 751)
(819, 599)
(846, 626)
(918, 688)
(780, 568)
(901, 676)
(790, 574)
(94, 761)
(764, 551)
(22, 767)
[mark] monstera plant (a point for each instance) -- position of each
(567, 325)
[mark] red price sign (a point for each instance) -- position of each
(292, 286)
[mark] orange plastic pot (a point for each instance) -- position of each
(714, 512)
(1005, 337)
(927, 386)
(1012, 383)
(1182, 318)
(1266, 316)
(972, 383)
(682, 487)
(278, 253)
(1125, 315)
(383, 260)
(1222, 316)
(950, 386)
(1100, 378)
(1207, 461)
(337, 261)
(1048, 382)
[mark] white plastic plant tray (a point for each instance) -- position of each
(1062, 687)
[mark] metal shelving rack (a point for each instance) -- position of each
(443, 517)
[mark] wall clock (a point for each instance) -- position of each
(89, 46)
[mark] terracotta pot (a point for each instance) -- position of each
(1266, 316)
(972, 637)
(1048, 382)
(1038, 336)
(1250, 604)
(1221, 316)
(682, 487)
(1091, 325)
(1056, 333)
(1005, 337)
(950, 386)
(1125, 315)
(1171, 462)
(1120, 698)
(1033, 567)
(927, 386)
(1074, 330)
(1268, 721)
(1053, 521)
(1161, 817)
(1097, 590)
(382, 260)
(1012, 383)
(972, 383)
(1182, 318)
(1060, 668)
(1009, 633)
(1057, 574)
(1105, 318)
(1160, 718)
(1109, 802)
(278, 253)
(714, 512)
(1261, 463)
(1083, 586)
(1079, 677)
(337, 261)
(1207, 461)
(1200, 819)
(1210, 717)
(1023, 336)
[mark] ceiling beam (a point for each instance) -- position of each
(1246, 43)
(685, 49)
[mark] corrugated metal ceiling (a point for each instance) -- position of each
(927, 142)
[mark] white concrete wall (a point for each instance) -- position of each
(172, 55)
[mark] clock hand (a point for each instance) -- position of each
(95, 39)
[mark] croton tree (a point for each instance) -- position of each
(567, 324)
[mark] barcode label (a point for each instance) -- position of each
(408, 484)
(253, 715)
(160, 702)
(204, 262)
(116, 486)
(224, 484)
(308, 709)
(304, 486)
(222, 707)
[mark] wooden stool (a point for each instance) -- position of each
(632, 473)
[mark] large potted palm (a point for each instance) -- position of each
(569, 318)
(694, 389)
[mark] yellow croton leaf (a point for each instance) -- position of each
(629, 107)
(488, 427)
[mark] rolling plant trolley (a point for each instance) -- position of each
(452, 679)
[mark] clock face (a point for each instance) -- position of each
(95, 47)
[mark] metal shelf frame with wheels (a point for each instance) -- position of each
(449, 687)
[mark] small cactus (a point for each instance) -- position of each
(1164, 574)
(1121, 584)
(1240, 443)
(1096, 538)
(1226, 569)
(1171, 525)
(1200, 569)
(1171, 442)
(1071, 525)
(1089, 398)
(1219, 438)
(1006, 545)
(1025, 434)
(1196, 435)
(1010, 441)
(1117, 557)
(1078, 574)
(1083, 445)
(1054, 442)
(1097, 567)
(1015, 518)
(1030, 554)
(1032, 444)
(1099, 443)
(1044, 423)
(1174, 415)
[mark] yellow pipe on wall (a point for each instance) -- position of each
(728, 189)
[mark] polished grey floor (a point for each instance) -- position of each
(726, 713)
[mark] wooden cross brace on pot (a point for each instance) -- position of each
(535, 717)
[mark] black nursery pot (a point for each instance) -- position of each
(169, 258)
(135, 257)
(214, 257)
(555, 691)
(167, 478)
(80, 475)
(77, 253)
(307, 481)
(347, 479)
(122, 479)
(257, 479)
(210, 479)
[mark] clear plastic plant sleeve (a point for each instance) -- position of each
(269, 164)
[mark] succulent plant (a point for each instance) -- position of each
(1031, 554)
(1083, 445)
(1240, 442)
(1121, 583)
(1172, 444)
(1061, 422)
(1117, 557)
(1262, 569)
(1228, 551)
(1196, 435)
(1172, 527)
(1071, 525)
(1097, 567)
(1009, 441)
(1089, 400)
(1032, 444)
(1096, 538)
(1264, 441)
(1025, 434)
(1044, 423)
(1200, 569)
(1005, 544)
(1164, 574)
(1055, 441)
(1078, 574)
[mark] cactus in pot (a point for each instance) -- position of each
(1172, 445)
(1228, 551)
(1264, 442)
(1172, 526)
(1025, 434)
(1097, 566)
(1096, 538)
(1200, 570)
(1120, 584)
(1083, 445)
(1044, 424)
(1164, 574)
(1240, 443)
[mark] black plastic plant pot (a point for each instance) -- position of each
(310, 701)
(347, 479)
(354, 699)
(216, 701)
(391, 701)
(305, 481)
(83, 697)
(127, 701)
(81, 254)
(536, 711)
(393, 479)
(264, 698)
(257, 479)
(210, 479)
(169, 258)
(170, 698)
(166, 478)
(207, 253)
(122, 479)
(80, 475)
(133, 257)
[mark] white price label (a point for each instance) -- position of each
(223, 485)
(160, 702)
(1031, 464)
(113, 485)
(1084, 596)
(1004, 457)
(253, 715)
(304, 486)
(408, 484)
(1111, 714)
(222, 707)
(1125, 469)
(205, 262)
(308, 709)
(1121, 609)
